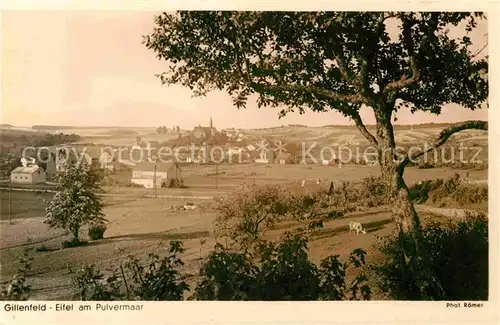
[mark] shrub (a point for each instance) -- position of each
(419, 193)
(18, 289)
(248, 212)
(96, 231)
(282, 272)
(468, 195)
(370, 192)
(73, 243)
(451, 190)
(43, 248)
(451, 263)
(89, 284)
(159, 280)
(176, 183)
(426, 165)
(374, 189)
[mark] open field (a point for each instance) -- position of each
(140, 225)
(322, 135)
(143, 226)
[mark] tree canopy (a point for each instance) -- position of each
(325, 60)
(75, 203)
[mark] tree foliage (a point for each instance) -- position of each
(340, 61)
(324, 60)
(249, 211)
(283, 271)
(453, 264)
(75, 202)
(160, 279)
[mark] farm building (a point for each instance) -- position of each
(149, 181)
(98, 157)
(28, 175)
(43, 157)
(145, 172)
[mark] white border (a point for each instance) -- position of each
(291, 313)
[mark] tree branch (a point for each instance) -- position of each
(362, 128)
(443, 137)
(344, 70)
(480, 50)
(404, 81)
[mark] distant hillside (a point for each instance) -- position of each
(396, 127)
(117, 133)
(65, 127)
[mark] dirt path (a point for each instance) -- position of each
(446, 212)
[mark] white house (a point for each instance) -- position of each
(148, 181)
(145, 172)
(28, 175)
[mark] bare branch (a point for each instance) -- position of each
(362, 128)
(443, 137)
(480, 50)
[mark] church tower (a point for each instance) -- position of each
(211, 127)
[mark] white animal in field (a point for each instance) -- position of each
(356, 227)
(189, 206)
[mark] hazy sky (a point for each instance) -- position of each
(90, 68)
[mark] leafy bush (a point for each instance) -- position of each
(43, 248)
(426, 165)
(89, 284)
(246, 213)
(451, 262)
(467, 195)
(73, 243)
(282, 272)
(176, 183)
(370, 192)
(374, 189)
(96, 231)
(451, 190)
(160, 280)
(18, 289)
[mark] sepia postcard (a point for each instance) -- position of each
(248, 162)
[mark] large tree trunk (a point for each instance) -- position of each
(403, 212)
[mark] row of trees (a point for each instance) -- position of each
(163, 129)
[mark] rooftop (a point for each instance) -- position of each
(26, 170)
